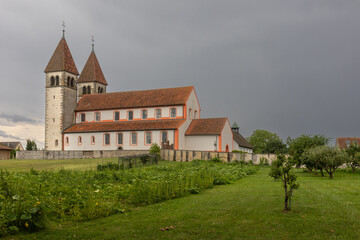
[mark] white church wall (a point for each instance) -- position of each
(99, 140)
(182, 131)
(201, 143)
(226, 137)
(192, 106)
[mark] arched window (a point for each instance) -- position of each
(84, 90)
(57, 80)
(56, 142)
(195, 114)
(98, 89)
(190, 113)
(68, 81)
(88, 90)
(72, 82)
(52, 81)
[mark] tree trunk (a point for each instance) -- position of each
(322, 172)
(286, 195)
(331, 174)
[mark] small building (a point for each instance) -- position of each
(344, 142)
(13, 145)
(240, 143)
(4, 152)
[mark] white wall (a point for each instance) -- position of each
(99, 140)
(237, 147)
(192, 103)
(226, 137)
(201, 143)
(108, 115)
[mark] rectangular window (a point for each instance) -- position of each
(67, 141)
(97, 117)
(92, 140)
(157, 113)
(144, 114)
(173, 112)
(130, 115)
(107, 139)
(164, 137)
(133, 138)
(117, 116)
(119, 138)
(148, 138)
(79, 140)
(82, 117)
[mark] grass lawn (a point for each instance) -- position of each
(76, 164)
(249, 209)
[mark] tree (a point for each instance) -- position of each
(353, 150)
(266, 142)
(298, 145)
(31, 145)
(326, 157)
(281, 170)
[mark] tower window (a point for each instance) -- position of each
(98, 89)
(57, 80)
(130, 115)
(88, 90)
(72, 82)
(195, 114)
(52, 81)
(56, 142)
(84, 90)
(68, 81)
(82, 117)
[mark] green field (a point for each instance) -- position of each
(249, 209)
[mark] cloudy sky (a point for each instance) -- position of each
(290, 67)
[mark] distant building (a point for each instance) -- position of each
(4, 152)
(239, 142)
(13, 145)
(344, 142)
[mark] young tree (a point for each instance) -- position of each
(328, 158)
(281, 170)
(352, 150)
(31, 145)
(298, 145)
(266, 142)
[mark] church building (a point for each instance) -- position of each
(81, 115)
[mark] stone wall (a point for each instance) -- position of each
(187, 156)
(77, 154)
(4, 154)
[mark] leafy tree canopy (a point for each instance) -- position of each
(31, 145)
(266, 142)
(298, 145)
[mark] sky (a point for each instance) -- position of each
(289, 67)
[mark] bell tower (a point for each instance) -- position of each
(60, 96)
(92, 79)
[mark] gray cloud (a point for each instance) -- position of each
(5, 135)
(290, 67)
(18, 118)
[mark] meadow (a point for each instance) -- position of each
(37, 199)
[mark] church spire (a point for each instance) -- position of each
(92, 71)
(62, 60)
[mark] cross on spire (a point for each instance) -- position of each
(92, 40)
(63, 25)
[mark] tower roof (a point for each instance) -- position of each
(61, 59)
(235, 125)
(92, 71)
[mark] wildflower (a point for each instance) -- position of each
(26, 225)
(96, 204)
(38, 203)
(123, 210)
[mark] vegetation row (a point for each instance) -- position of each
(33, 200)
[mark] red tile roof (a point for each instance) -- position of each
(92, 71)
(61, 59)
(125, 126)
(135, 99)
(206, 126)
(343, 141)
(2, 147)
